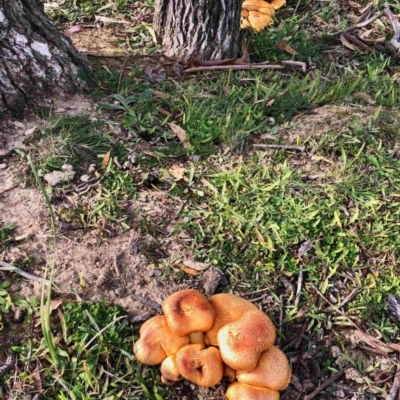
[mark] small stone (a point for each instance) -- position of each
(55, 177)
(92, 168)
(335, 351)
(127, 165)
(133, 158)
(85, 178)
(194, 157)
(30, 131)
(353, 375)
(3, 166)
(120, 292)
(19, 124)
(154, 272)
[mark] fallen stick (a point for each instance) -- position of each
(234, 67)
(344, 302)
(358, 25)
(394, 41)
(394, 391)
(8, 267)
(148, 303)
(279, 146)
(326, 383)
(299, 286)
(8, 189)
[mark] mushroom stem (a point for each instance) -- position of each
(197, 338)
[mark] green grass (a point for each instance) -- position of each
(94, 345)
(6, 234)
(260, 209)
(74, 11)
(70, 140)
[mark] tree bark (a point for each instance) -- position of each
(201, 29)
(35, 58)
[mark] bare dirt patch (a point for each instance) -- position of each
(337, 119)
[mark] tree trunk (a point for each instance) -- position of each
(201, 29)
(35, 58)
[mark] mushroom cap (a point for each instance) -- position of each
(169, 371)
(242, 391)
(256, 14)
(277, 3)
(156, 341)
(228, 308)
(272, 371)
(258, 5)
(202, 366)
(241, 342)
(259, 21)
(188, 311)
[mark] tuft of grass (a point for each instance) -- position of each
(71, 140)
(94, 345)
(6, 234)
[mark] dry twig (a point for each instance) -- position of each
(299, 285)
(326, 383)
(394, 41)
(9, 267)
(359, 24)
(279, 146)
(148, 303)
(254, 66)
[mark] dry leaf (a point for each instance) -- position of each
(107, 20)
(189, 271)
(180, 134)
(209, 185)
(150, 153)
(158, 93)
(260, 237)
(177, 172)
(106, 159)
(198, 266)
(285, 46)
(364, 96)
(346, 43)
(72, 29)
(152, 33)
(54, 304)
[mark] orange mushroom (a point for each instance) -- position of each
(242, 391)
(240, 330)
(242, 342)
(156, 341)
(257, 14)
(188, 312)
(272, 371)
(228, 308)
(169, 371)
(202, 366)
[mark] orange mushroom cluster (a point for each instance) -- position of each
(203, 340)
(258, 14)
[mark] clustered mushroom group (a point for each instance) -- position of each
(203, 340)
(258, 14)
